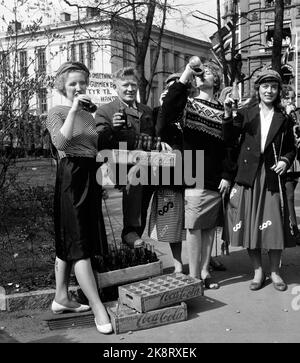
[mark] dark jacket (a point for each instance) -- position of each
(217, 157)
(141, 122)
(245, 130)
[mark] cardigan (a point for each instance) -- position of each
(244, 130)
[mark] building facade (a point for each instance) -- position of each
(101, 47)
(256, 30)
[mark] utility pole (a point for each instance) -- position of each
(235, 16)
(222, 50)
(278, 33)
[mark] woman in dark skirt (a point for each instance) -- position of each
(255, 210)
(79, 226)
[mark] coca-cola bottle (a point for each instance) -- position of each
(196, 64)
(148, 252)
(149, 143)
(133, 257)
(140, 143)
(235, 95)
(158, 144)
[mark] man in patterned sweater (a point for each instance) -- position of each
(120, 121)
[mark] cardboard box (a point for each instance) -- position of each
(161, 291)
(125, 319)
(129, 274)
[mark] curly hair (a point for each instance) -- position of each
(216, 73)
(124, 72)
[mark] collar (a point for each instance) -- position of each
(134, 105)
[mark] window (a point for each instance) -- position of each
(42, 100)
(24, 100)
(126, 53)
(41, 60)
(152, 56)
(270, 3)
(4, 64)
(176, 61)
(92, 12)
(286, 36)
(73, 52)
(23, 63)
(165, 60)
(81, 53)
(89, 55)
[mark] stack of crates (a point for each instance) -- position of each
(153, 302)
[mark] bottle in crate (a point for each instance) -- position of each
(153, 255)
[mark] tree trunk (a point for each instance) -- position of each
(278, 31)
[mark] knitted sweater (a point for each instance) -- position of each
(202, 130)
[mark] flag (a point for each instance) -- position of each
(225, 35)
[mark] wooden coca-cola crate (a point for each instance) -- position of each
(157, 292)
(125, 319)
(129, 274)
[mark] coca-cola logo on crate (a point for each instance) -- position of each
(180, 295)
(167, 316)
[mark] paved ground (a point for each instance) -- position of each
(231, 314)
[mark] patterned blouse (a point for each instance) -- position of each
(85, 137)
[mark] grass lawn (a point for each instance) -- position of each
(26, 227)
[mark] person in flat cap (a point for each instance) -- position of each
(256, 212)
(80, 236)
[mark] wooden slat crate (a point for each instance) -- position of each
(164, 290)
(129, 274)
(125, 319)
(69, 320)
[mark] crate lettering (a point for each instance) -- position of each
(160, 318)
(183, 294)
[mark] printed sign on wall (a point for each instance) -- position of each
(101, 88)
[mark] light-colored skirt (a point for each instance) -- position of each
(254, 218)
(203, 208)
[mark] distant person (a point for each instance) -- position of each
(122, 120)
(288, 100)
(79, 226)
(254, 218)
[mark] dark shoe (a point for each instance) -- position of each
(210, 284)
(216, 265)
(254, 286)
(280, 286)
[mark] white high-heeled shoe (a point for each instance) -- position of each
(104, 328)
(58, 308)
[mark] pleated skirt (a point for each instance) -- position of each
(253, 217)
(78, 220)
(203, 208)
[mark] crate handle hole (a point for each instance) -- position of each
(130, 297)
